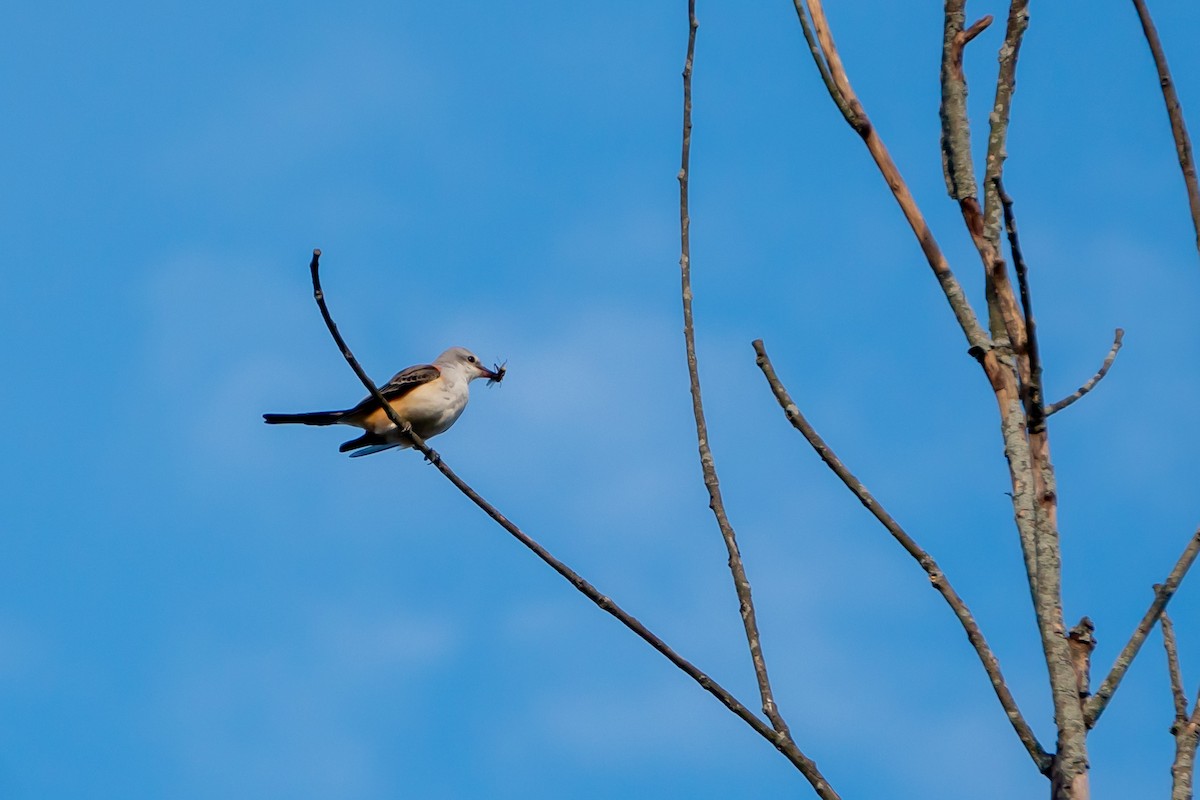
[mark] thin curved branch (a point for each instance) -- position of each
(937, 578)
(1055, 407)
(1183, 143)
(741, 582)
(582, 585)
(1162, 595)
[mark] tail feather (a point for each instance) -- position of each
(367, 444)
(375, 448)
(367, 438)
(310, 418)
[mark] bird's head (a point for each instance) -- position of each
(464, 361)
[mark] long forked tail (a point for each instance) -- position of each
(311, 418)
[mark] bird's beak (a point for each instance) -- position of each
(493, 376)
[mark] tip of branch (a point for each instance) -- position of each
(976, 29)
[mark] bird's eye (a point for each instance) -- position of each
(471, 359)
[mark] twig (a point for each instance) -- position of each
(1183, 144)
(785, 746)
(826, 57)
(1162, 595)
(1174, 674)
(1035, 411)
(936, 577)
(1054, 408)
(708, 466)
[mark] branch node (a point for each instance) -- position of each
(1083, 642)
(979, 27)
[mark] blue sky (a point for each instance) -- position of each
(194, 605)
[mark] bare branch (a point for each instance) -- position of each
(1016, 380)
(815, 49)
(1006, 86)
(1035, 411)
(707, 464)
(741, 582)
(984, 223)
(1174, 674)
(1183, 144)
(781, 743)
(1010, 374)
(1054, 408)
(826, 57)
(1004, 320)
(956, 128)
(1162, 595)
(1068, 662)
(936, 577)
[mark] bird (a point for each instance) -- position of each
(429, 397)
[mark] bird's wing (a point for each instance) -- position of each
(401, 384)
(406, 380)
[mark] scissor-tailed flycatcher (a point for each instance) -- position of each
(429, 397)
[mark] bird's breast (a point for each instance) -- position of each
(430, 408)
